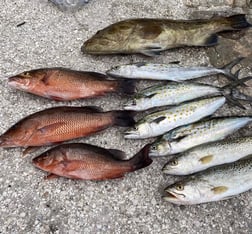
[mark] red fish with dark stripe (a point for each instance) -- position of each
(88, 162)
(60, 124)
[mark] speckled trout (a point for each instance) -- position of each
(160, 122)
(214, 184)
(151, 36)
(176, 93)
(209, 155)
(186, 137)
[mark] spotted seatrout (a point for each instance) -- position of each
(186, 137)
(151, 36)
(214, 184)
(60, 124)
(161, 122)
(63, 84)
(176, 93)
(209, 155)
(88, 162)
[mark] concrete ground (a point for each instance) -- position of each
(49, 38)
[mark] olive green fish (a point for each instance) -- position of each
(151, 36)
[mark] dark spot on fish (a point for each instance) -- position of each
(158, 120)
(151, 95)
(150, 32)
(21, 24)
(174, 62)
(140, 64)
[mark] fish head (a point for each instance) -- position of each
(161, 147)
(189, 191)
(50, 160)
(26, 80)
(109, 40)
(141, 130)
(181, 164)
(126, 70)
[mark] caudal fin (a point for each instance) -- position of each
(141, 159)
(126, 86)
(124, 118)
(237, 22)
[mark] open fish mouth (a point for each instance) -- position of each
(170, 195)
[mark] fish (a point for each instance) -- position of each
(177, 93)
(209, 155)
(152, 36)
(161, 122)
(215, 184)
(173, 71)
(89, 162)
(189, 136)
(63, 84)
(69, 5)
(59, 124)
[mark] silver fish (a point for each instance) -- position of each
(186, 137)
(218, 183)
(209, 155)
(171, 71)
(160, 122)
(69, 5)
(176, 93)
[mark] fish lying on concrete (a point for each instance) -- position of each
(214, 184)
(58, 124)
(64, 84)
(151, 36)
(88, 162)
(209, 155)
(171, 71)
(186, 137)
(161, 122)
(176, 93)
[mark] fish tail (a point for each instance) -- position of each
(237, 22)
(141, 159)
(123, 118)
(233, 95)
(227, 71)
(126, 86)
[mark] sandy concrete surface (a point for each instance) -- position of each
(49, 37)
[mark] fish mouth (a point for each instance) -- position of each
(17, 82)
(172, 196)
(113, 74)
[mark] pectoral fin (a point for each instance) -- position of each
(206, 159)
(159, 119)
(51, 176)
(219, 189)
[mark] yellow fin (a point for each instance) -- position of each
(206, 159)
(219, 190)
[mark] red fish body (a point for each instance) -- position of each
(87, 162)
(60, 124)
(64, 84)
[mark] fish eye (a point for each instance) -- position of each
(26, 74)
(180, 187)
(135, 128)
(154, 147)
(174, 162)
